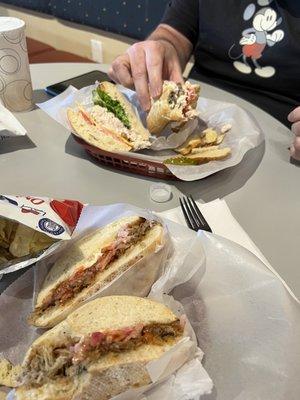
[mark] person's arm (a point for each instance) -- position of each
(146, 64)
(162, 56)
(182, 45)
(294, 117)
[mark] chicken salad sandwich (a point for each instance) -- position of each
(112, 123)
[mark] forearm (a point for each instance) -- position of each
(181, 44)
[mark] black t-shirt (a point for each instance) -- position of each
(248, 47)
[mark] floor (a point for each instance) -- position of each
(39, 52)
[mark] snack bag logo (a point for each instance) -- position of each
(8, 200)
(31, 210)
(256, 39)
(49, 226)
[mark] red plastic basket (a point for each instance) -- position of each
(127, 163)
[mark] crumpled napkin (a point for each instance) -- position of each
(9, 125)
(223, 223)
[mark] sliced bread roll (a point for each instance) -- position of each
(75, 267)
(99, 351)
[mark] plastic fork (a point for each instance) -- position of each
(193, 216)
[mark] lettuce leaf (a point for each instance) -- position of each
(103, 99)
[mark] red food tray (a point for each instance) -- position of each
(127, 163)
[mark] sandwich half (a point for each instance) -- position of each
(91, 263)
(111, 124)
(177, 103)
(99, 351)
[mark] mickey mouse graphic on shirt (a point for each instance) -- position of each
(256, 39)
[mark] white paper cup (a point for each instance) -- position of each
(15, 80)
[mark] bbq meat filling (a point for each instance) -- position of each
(75, 355)
(126, 237)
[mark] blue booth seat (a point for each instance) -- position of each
(132, 18)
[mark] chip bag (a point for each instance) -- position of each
(32, 227)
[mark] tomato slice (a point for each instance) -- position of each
(87, 118)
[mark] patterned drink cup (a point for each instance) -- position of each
(15, 80)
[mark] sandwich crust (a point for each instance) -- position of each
(174, 105)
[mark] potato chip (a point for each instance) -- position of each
(199, 150)
(18, 240)
(226, 128)
(28, 241)
(209, 136)
(5, 255)
(206, 145)
(189, 145)
(40, 242)
(211, 155)
(20, 246)
(220, 138)
(7, 231)
(183, 150)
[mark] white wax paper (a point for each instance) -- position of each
(244, 319)
(244, 135)
(9, 125)
(187, 259)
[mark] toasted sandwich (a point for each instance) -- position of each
(111, 124)
(99, 351)
(93, 262)
(177, 103)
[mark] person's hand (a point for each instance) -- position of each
(294, 117)
(144, 67)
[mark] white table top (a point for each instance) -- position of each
(263, 191)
